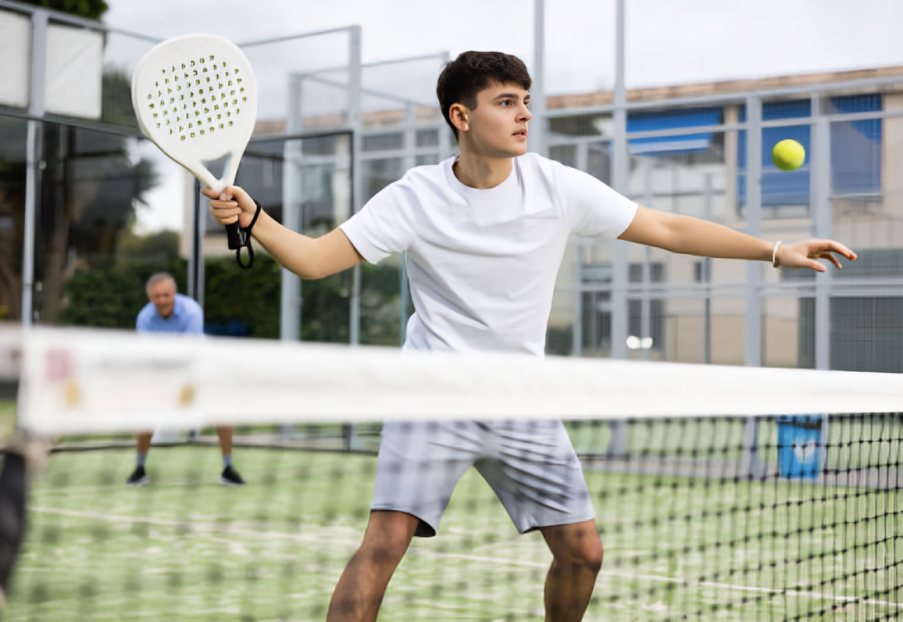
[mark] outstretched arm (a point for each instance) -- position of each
(309, 258)
(692, 236)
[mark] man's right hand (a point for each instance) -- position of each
(307, 257)
(231, 203)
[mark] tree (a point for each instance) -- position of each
(89, 188)
(158, 244)
(12, 215)
(90, 9)
(88, 195)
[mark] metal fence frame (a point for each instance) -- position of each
(40, 20)
(822, 289)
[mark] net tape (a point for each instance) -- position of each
(77, 381)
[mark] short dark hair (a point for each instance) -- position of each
(472, 72)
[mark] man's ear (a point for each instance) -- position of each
(460, 117)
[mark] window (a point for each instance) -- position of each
(383, 142)
(855, 147)
(566, 154)
(427, 138)
(855, 153)
(672, 120)
(780, 189)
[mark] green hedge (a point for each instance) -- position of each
(250, 296)
(111, 295)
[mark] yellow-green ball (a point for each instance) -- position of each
(788, 155)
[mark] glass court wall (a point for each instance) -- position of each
(78, 239)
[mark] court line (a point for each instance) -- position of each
(231, 527)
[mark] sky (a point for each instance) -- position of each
(667, 41)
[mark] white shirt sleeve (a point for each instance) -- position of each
(381, 228)
(595, 209)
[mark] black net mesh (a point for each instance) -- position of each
(775, 518)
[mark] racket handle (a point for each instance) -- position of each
(234, 235)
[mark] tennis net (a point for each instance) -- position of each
(719, 493)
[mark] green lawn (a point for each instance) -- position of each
(186, 548)
(7, 420)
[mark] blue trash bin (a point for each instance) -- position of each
(799, 446)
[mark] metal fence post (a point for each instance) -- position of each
(822, 217)
(752, 462)
(538, 94)
(355, 123)
(620, 171)
(820, 165)
(753, 343)
(34, 159)
(292, 199)
(617, 444)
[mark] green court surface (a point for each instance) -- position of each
(7, 419)
(186, 548)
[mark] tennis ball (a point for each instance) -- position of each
(788, 155)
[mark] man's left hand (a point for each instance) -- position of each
(804, 254)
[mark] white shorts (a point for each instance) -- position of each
(531, 466)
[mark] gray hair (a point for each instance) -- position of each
(159, 277)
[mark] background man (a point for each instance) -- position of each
(171, 312)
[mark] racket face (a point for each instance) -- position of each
(195, 96)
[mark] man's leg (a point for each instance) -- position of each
(533, 457)
(577, 558)
(139, 476)
(144, 442)
(360, 590)
(230, 476)
(225, 442)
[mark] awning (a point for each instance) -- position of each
(672, 120)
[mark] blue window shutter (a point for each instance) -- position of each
(671, 120)
(778, 187)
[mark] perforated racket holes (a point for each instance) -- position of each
(197, 98)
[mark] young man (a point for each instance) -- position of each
(485, 233)
(171, 312)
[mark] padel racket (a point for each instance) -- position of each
(195, 97)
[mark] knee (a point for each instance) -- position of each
(587, 555)
(594, 558)
(592, 554)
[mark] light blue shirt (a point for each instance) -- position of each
(187, 317)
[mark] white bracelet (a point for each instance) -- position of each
(774, 255)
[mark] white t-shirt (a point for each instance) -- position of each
(482, 263)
